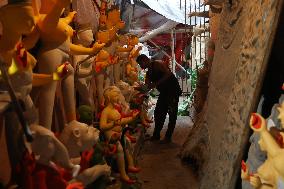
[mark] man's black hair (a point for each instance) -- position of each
(142, 58)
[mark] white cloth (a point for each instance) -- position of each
(144, 49)
(174, 10)
(165, 27)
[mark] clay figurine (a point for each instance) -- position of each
(271, 173)
(111, 124)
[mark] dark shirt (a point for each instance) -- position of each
(169, 86)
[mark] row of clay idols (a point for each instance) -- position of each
(112, 58)
(119, 48)
(270, 175)
(55, 36)
(18, 19)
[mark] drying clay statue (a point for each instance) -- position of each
(270, 175)
(111, 123)
(85, 71)
(56, 47)
(18, 19)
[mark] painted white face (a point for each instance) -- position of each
(86, 37)
(89, 136)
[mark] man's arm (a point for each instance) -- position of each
(147, 80)
(165, 70)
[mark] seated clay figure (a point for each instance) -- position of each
(78, 138)
(271, 173)
(111, 124)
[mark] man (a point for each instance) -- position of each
(160, 77)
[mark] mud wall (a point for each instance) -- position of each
(244, 41)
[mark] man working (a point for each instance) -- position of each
(159, 76)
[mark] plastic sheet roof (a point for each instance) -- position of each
(175, 9)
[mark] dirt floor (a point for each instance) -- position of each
(161, 166)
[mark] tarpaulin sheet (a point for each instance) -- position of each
(146, 20)
(174, 10)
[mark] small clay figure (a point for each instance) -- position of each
(112, 123)
(271, 173)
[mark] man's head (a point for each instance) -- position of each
(143, 61)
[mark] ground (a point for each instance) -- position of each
(161, 166)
